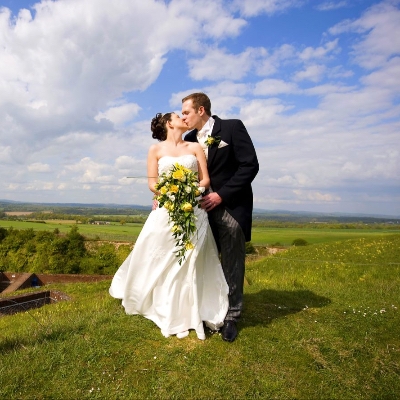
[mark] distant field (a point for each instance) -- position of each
(113, 232)
(261, 236)
(18, 213)
(285, 236)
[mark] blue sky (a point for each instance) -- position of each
(317, 84)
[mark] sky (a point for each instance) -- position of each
(316, 83)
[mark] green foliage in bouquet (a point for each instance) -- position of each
(178, 190)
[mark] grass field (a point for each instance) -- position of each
(320, 322)
(114, 231)
(261, 236)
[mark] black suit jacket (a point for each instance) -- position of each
(232, 169)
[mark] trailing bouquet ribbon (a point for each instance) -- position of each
(178, 190)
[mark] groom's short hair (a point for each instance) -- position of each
(199, 100)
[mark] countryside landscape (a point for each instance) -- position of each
(321, 312)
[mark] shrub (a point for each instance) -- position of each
(250, 249)
(299, 242)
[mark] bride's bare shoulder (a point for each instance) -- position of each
(155, 150)
(193, 145)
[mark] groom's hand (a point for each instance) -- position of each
(210, 201)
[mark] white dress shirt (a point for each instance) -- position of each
(203, 134)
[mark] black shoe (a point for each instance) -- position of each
(229, 331)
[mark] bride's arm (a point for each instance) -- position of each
(204, 179)
(152, 168)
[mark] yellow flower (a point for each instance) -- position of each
(176, 228)
(197, 193)
(179, 174)
(169, 206)
(163, 190)
(173, 189)
(187, 207)
(189, 246)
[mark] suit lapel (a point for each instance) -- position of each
(212, 150)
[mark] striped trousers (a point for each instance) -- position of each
(231, 244)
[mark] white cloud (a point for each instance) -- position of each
(89, 171)
(74, 58)
(81, 80)
(273, 87)
(261, 112)
(380, 28)
(316, 196)
(125, 162)
(39, 167)
(313, 73)
(119, 114)
(310, 53)
(251, 8)
(332, 5)
(218, 64)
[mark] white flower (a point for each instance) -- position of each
(188, 189)
(171, 197)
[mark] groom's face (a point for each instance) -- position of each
(191, 117)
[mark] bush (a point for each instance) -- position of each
(299, 242)
(250, 249)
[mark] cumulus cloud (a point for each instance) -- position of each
(250, 8)
(380, 30)
(312, 73)
(331, 5)
(218, 64)
(319, 52)
(78, 80)
(119, 114)
(39, 167)
(272, 87)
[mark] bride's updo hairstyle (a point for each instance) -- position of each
(158, 126)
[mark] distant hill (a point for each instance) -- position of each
(134, 209)
(315, 214)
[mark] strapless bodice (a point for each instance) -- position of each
(166, 163)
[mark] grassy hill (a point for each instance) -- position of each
(320, 322)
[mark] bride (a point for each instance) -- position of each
(176, 296)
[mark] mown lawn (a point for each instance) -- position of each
(320, 322)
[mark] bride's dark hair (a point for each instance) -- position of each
(158, 126)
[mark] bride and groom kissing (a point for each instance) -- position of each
(206, 287)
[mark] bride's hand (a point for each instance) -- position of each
(210, 201)
(155, 205)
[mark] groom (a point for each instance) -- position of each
(232, 165)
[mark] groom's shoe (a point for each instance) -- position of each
(229, 331)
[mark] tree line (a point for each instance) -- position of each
(27, 250)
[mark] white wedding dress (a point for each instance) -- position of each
(175, 297)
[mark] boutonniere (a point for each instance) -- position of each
(212, 140)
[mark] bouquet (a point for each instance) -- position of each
(178, 190)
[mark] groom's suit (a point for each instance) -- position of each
(232, 166)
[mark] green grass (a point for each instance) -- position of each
(285, 236)
(114, 231)
(320, 322)
(261, 236)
